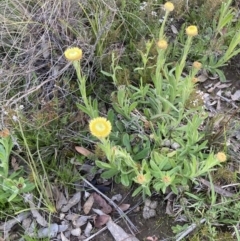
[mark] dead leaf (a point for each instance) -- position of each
(72, 202)
(39, 218)
(106, 208)
(14, 163)
(169, 208)
(72, 217)
(236, 95)
(83, 151)
(223, 86)
(88, 229)
(7, 226)
(117, 197)
(81, 221)
(124, 206)
(174, 29)
(100, 220)
(214, 87)
(63, 238)
(59, 198)
(118, 233)
(88, 204)
(202, 78)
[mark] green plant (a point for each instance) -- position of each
(12, 184)
(223, 29)
(154, 113)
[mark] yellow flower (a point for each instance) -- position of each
(100, 127)
(166, 179)
(73, 54)
(168, 6)
(221, 156)
(195, 80)
(192, 30)
(162, 44)
(140, 179)
(197, 65)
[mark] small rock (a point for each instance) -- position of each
(153, 204)
(152, 213)
(26, 223)
(67, 234)
(49, 232)
(147, 202)
(228, 93)
(62, 228)
(76, 232)
(167, 143)
(149, 209)
(175, 146)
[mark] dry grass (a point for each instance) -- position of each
(34, 36)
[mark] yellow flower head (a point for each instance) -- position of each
(197, 65)
(166, 179)
(221, 156)
(195, 80)
(192, 30)
(162, 44)
(100, 127)
(168, 6)
(73, 54)
(141, 179)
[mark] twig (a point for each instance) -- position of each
(188, 230)
(228, 100)
(216, 188)
(121, 213)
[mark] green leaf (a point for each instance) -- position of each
(221, 75)
(120, 126)
(106, 73)
(137, 191)
(147, 191)
(132, 106)
(29, 187)
(13, 196)
(110, 173)
(142, 154)
(103, 165)
(125, 180)
(83, 108)
(126, 142)
(111, 115)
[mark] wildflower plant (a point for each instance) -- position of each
(74, 55)
(11, 184)
(146, 115)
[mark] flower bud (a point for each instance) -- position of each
(168, 6)
(221, 156)
(197, 65)
(192, 31)
(162, 44)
